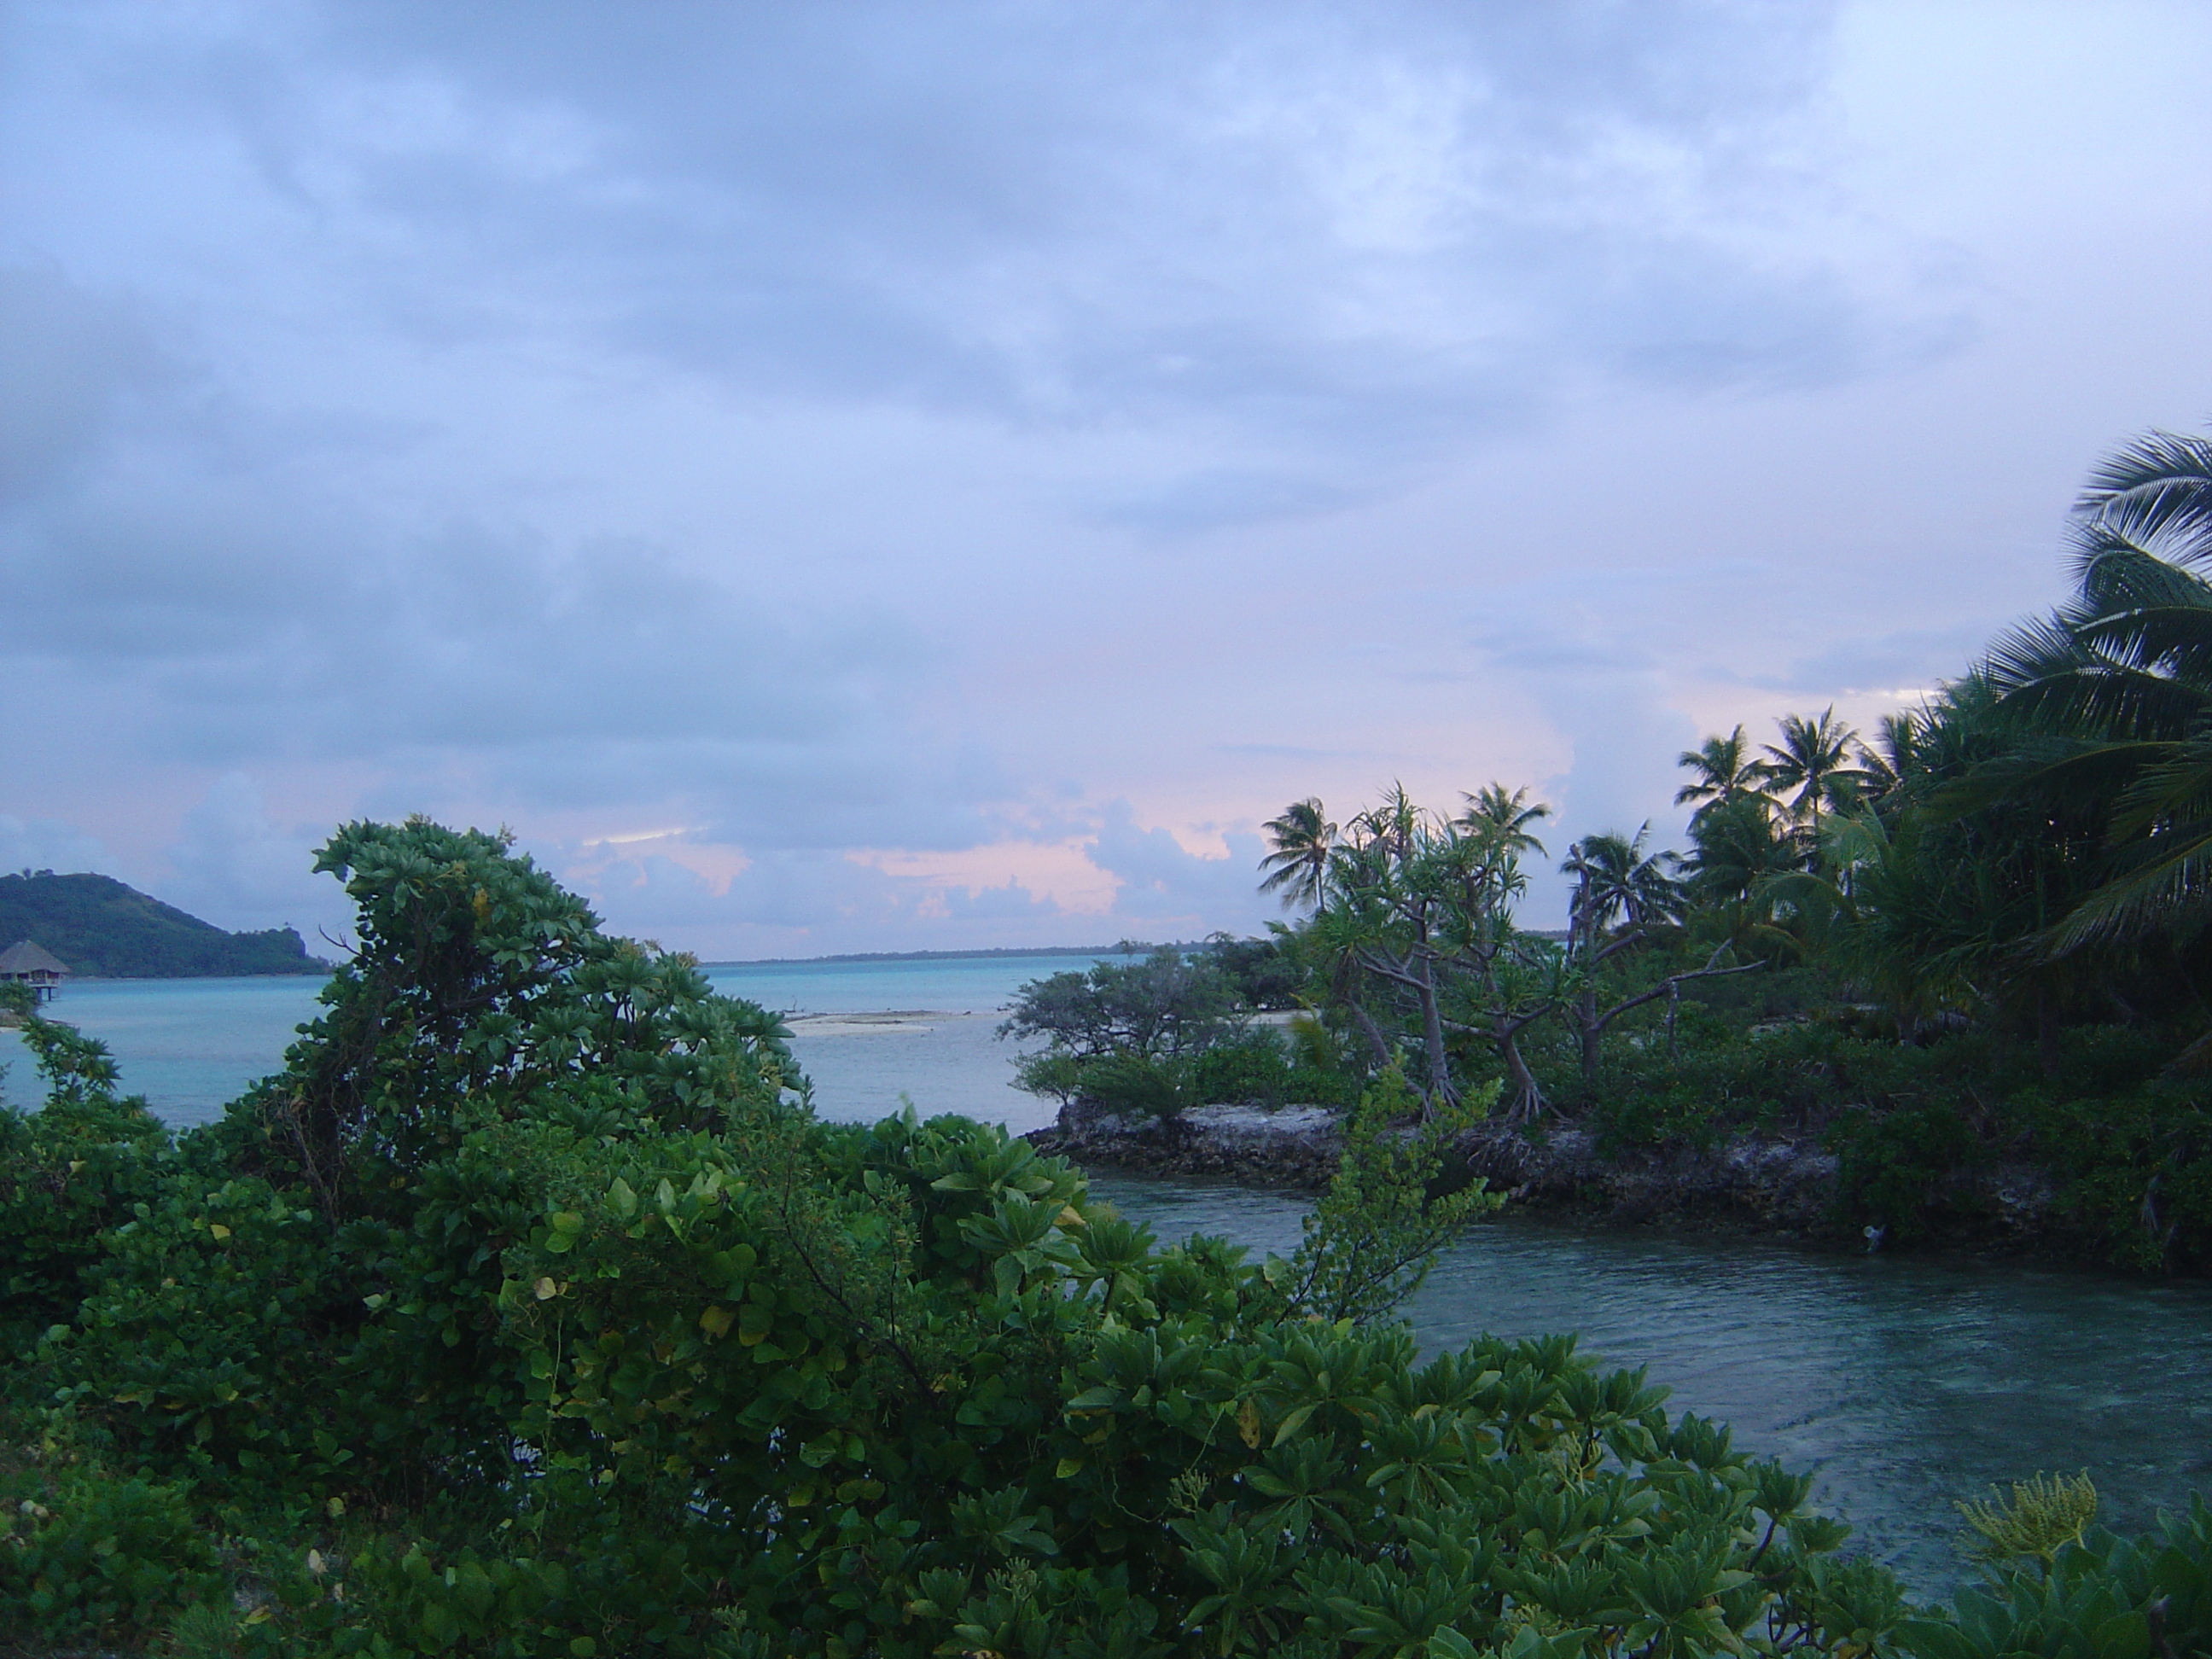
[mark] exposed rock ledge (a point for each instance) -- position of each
(1292, 1146)
(1774, 1183)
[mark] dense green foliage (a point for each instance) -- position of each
(530, 1311)
(102, 928)
(1153, 1037)
(1975, 943)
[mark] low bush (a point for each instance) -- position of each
(87, 1555)
(1141, 1085)
(1907, 1171)
(2133, 1171)
(68, 1174)
(1251, 1069)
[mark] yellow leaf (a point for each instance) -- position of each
(545, 1289)
(716, 1322)
(1248, 1423)
(1069, 1216)
(335, 1508)
(1068, 1465)
(316, 1564)
(258, 1616)
(220, 1231)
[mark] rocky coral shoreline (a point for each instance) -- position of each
(1770, 1183)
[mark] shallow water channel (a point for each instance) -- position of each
(1903, 1382)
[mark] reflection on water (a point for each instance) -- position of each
(1902, 1383)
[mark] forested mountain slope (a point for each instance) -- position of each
(102, 928)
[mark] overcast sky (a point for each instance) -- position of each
(840, 477)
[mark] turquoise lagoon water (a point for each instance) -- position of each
(192, 1045)
(1902, 1383)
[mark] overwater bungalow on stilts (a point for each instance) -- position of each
(28, 962)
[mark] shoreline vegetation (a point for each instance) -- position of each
(529, 1311)
(1943, 984)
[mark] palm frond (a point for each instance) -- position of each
(2049, 768)
(2163, 481)
(2048, 678)
(2172, 641)
(2176, 788)
(2123, 560)
(2170, 891)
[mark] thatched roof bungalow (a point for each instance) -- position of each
(28, 962)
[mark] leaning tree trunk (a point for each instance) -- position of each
(1377, 1044)
(1524, 1100)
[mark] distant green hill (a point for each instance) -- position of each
(105, 930)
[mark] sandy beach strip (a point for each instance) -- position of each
(891, 1021)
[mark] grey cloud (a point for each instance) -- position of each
(70, 360)
(796, 892)
(803, 901)
(807, 902)
(1209, 499)
(1909, 658)
(1285, 751)
(1011, 903)
(47, 844)
(1162, 882)
(1355, 230)
(764, 420)
(237, 869)
(256, 620)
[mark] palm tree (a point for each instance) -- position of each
(2115, 692)
(1815, 758)
(1737, 857)
(1499, 822)
(1619, 889)
(1617, 881)
(1726, 770)
(1302, 839)
(1892, 756)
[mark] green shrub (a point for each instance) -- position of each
(85, 1554)
(2133, 1171)
(67, 1173)
(2104, 1595)
(1251, 1069)
(1675, 1115)
(1905, 1170)
(1321, 1085)
(1138, 1085)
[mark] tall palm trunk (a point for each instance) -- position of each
(1591, 1035)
